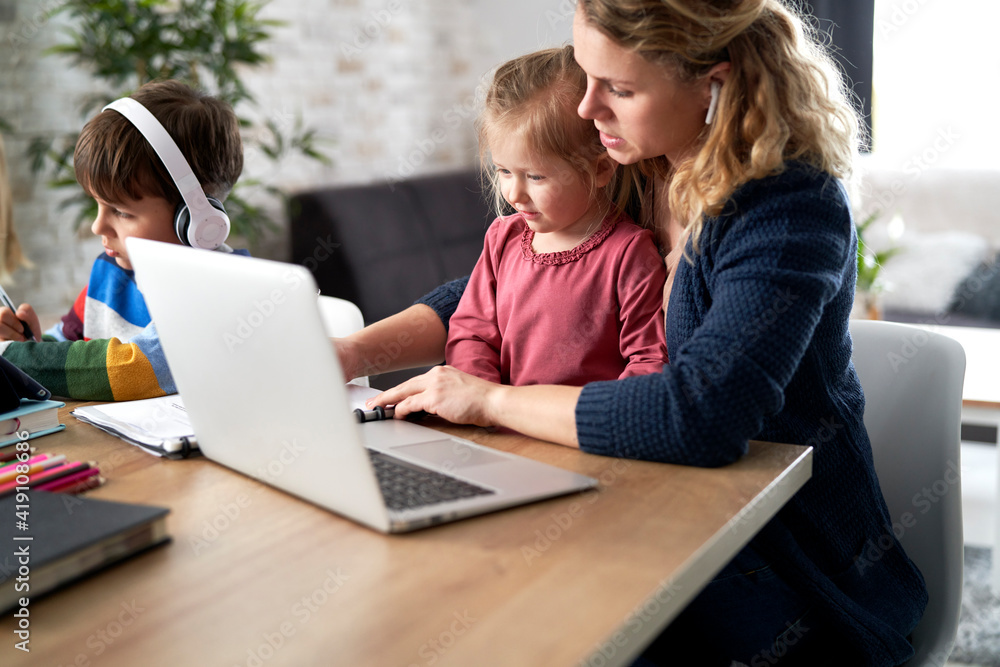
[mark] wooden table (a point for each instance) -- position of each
(255, 577)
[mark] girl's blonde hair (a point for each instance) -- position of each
(535, 98)
(784, 98)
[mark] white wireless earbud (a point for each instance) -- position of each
(714, 104)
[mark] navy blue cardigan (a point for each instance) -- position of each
(757, 332)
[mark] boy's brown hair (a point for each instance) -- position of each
(114, 161)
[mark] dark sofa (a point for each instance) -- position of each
(385, 244)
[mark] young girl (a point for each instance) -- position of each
(568, 290)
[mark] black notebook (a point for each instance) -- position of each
(55, 538)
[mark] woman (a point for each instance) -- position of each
(740, 128)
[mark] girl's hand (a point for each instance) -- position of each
(446, 392)
(10, 323)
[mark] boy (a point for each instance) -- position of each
(106, 348)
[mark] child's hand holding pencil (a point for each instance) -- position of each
(19, 324)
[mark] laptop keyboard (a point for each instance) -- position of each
(406, 486)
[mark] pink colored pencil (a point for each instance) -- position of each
(44, 462)
(46, 476)
(68, 480)
(7, 467)
(84, 484)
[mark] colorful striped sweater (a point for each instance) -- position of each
(105, 349)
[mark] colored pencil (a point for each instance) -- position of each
(9, 453)
(82, 485)
(7, 467)
(36, 464)
(48, 476)
(58, 485)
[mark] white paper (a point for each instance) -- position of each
(357, 395)
(162, 422)
(152, 421)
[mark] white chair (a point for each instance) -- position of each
(341, 317)
(912, 381)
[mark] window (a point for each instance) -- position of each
(936, 83)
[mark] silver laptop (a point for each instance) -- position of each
(266, 396)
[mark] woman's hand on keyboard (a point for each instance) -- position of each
(446, 392)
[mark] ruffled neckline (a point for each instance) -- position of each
(565, 256)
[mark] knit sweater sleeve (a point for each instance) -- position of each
(105, 349)
(750, 299)
(444, 300)
(70, 327)
(104, 369)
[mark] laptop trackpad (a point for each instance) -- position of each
(449, 453)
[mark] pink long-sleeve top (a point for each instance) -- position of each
(572, 317)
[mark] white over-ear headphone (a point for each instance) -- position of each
(200, 221)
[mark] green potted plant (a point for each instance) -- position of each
(204, 43)
(870, 283)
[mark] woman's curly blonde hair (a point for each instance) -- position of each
(784, 98)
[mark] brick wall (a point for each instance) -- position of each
(390, 84)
